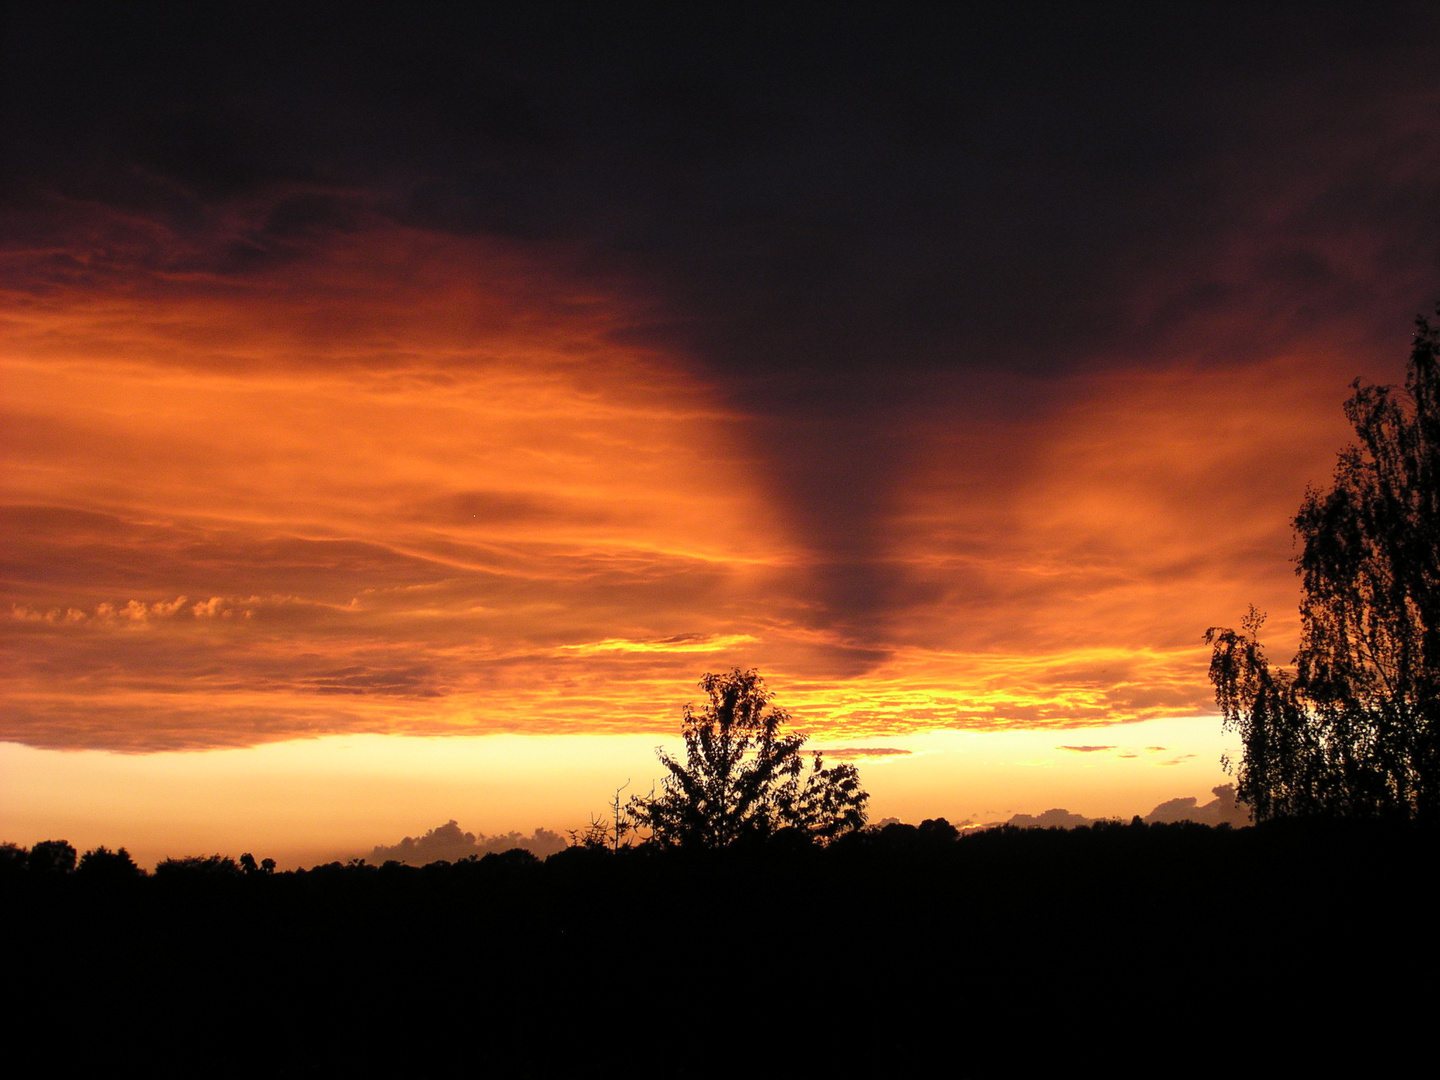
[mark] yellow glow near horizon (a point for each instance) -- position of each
(309, 801)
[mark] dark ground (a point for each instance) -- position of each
(1127, 950)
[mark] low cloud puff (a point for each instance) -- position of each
(448, 843)
(1224, 809)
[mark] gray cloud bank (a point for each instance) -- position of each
(1224, 809)
(448, 843)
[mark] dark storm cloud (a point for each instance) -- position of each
(851, 218)
(818, 189)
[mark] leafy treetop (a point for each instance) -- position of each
(744, 776)
(1354, 729)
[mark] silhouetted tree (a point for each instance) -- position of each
(101, 862)
(52, 857)
(197, 867)
(938, 831)
(742, 776)
(600, 834)
(14, 859)
(1354, 729)
(595, 836)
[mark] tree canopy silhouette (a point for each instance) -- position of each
(52, 857)
(744, 777)
(101, 862)
(1354, 729)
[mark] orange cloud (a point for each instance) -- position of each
(399, 482)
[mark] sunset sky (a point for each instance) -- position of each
(402, 412)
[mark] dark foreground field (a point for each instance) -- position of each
(1125, 950)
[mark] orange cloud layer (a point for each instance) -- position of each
(416, 484)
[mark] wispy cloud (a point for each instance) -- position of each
(864, 753)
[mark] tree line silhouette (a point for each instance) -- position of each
(877, 943)
(746, 903)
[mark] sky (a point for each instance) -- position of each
(402, 411)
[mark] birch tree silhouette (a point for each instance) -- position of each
(1354, 728)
